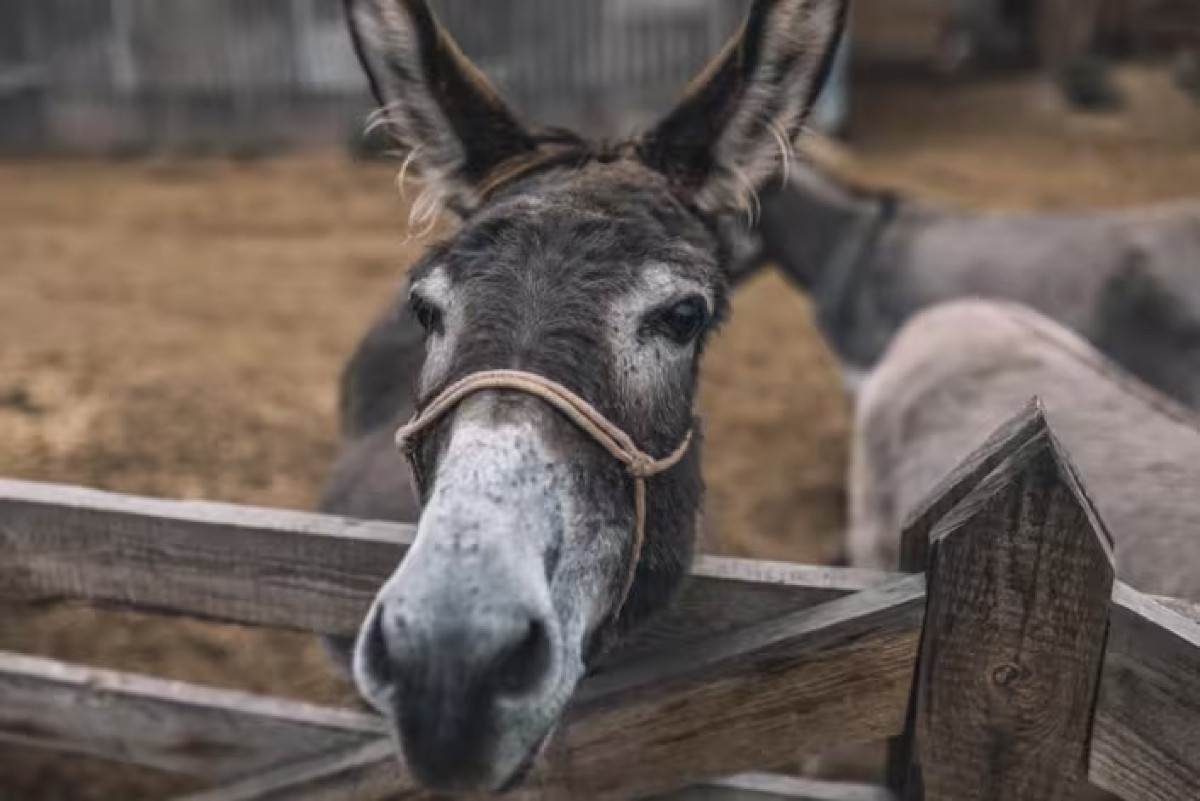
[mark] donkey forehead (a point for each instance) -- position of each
(599, 229)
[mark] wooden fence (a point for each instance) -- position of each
(1013, 667)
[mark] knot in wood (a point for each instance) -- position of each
(1005, 674)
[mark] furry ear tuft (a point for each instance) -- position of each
(736, 123)
(453, 125)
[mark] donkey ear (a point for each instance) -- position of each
(441, 110)
(737, 121)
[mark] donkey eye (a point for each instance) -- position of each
(682, 321)
(428, 315)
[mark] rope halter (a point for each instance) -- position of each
(638, 464)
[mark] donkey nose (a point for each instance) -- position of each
(444, 676)
(505, 652)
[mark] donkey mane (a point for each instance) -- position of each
(553, 147)
(557, 147)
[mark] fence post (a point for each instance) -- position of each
(1020, 576)
(1001, 445)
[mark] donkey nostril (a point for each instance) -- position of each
(375, 648)
(385, 649)
(521, 667)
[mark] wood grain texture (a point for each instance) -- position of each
(1180, 606)
(169, 725)
(308, 571)
(219, 561)
(1146, 739)
(1008, 438)
(368, 772)
(1020, 576)
(722, 595)
(774, 787)
(1012, 435)
(334, 779)
(837, 673)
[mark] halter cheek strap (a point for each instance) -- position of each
(639, 464)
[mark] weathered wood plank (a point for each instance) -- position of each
(334, 780)
(367, 772)
(1006, 440)
(774, 787)
(307, 571)
(174, 726)
(1012, 435)
(233, 563)
(1146, 736)
(1144, 742)
(830, 675)
(1179, 606)
(835, 674)
(723, 595)
(1020, 576)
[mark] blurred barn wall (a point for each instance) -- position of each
(107, 76)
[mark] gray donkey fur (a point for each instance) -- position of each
(958, 371)
(603, 268)
(1128, 281)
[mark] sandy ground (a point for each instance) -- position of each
(176, 329)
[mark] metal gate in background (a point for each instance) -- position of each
(108, 76)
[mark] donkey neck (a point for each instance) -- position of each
(807, 224)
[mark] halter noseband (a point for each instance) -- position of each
(639, 464)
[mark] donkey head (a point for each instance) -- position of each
(602, 269)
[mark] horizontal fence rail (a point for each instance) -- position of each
(773, 787)
(298, 570)
(169, 725)
(1016, 625)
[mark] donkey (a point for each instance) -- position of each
(1128, 281)
(554, 448)
(959, 370)
(1060, 37)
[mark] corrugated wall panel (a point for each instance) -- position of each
(246, 73)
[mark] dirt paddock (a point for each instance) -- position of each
(176, 328)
